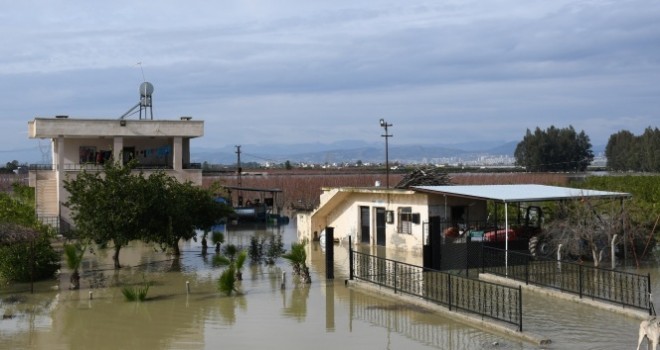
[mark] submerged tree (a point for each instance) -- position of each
(297, 257)
(73, 255)
(227, 281)
(107, 207)
(176, 210)
(234, 260)
(275, 249)
(217, 238)
(118, 206)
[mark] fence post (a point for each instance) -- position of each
(483, 258)
(520, 308)
(350, 259)
(612, 252)
(395, 265)
(449, 290)
(648, 283)
(527, 271)
(580, 279)
(329, 252)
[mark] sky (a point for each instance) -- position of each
(289, 71)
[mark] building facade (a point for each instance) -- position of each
(87, 144)
(397, 218)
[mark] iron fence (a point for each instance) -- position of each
(617, 287)
(485, 299)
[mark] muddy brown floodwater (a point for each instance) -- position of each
(323, 315)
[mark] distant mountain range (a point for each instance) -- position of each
(351, 151)
(346, 151)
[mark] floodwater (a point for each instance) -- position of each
(323, 315)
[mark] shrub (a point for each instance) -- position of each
(227, 281)
(26, 258)
(136, 293)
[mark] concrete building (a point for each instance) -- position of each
(436, 220)
(396, 218)
(86, 144)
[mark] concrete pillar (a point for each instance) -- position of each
(177, 154)
(58, 160)
(117, 149)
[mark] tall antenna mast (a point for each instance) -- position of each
(142, 70)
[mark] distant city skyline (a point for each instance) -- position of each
(293, 72)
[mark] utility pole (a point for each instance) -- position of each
(239, 172)
(385, 125)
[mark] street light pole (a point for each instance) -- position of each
(385, 125)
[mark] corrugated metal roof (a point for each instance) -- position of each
(520, 193)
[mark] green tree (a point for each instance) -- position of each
(73, 256)
(18, 206)
(554, 149)
(119, 206)
(297, 258)
(175, 210)
(11, 166)
(25, 250)
(26, 254)
(625, 151)
(108, 207)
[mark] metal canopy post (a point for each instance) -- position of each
(506, 238)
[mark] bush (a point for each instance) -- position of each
(18, 259)
(136, 293)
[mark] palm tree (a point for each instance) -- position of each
(231, 251)
(217, 238)
(297, 257)
(227, 281)
(235, 260)
(240, 261)
(73, 254)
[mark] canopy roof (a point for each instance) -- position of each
(519, 193)
(253, 189)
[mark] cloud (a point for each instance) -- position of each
(301, 71)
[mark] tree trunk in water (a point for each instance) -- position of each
(175, 249)
(115, 257)
(306, 277)
(176, 265)
(75, 280)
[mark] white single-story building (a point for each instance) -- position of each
(400, 218)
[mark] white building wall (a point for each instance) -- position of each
(344, 216)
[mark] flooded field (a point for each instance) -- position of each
(323, 315)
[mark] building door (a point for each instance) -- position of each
(128, 154)
(380, 226)
(365, 224)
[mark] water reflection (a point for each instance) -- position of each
(296, 307)
(323, 315)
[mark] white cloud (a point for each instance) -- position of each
(291, 71)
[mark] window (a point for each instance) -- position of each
(87, 154)
(405, 216)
